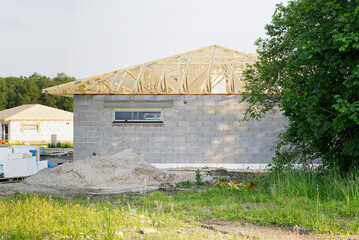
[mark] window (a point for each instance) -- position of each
(137, 115)
(30, 127)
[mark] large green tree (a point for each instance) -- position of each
(3, 98)
(15, 91)
(309, 68)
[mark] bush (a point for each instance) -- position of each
(60, 145)
(309, 68)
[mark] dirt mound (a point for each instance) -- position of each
(124, 168)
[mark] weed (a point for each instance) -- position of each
(185, 184)
(199, 180)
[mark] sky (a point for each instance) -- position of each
(83, 38)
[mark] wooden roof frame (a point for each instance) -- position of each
(198, 71)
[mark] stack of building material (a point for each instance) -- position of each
(20, 161)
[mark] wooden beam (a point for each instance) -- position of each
(237, 83)
(102, 81)
(129, 73)
(123, 77)
(208, 85)
(232, 72)
(219, 79)
(138, 78)
(185, 74)
(194, 79)
(162, 77)
(113, 81)
(171, 83)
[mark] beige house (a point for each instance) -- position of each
(35, 123)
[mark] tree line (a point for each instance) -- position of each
(16, 91)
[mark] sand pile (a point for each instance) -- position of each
(125, 168)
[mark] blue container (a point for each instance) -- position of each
(33, 152)
(50, 165)
(1, 171)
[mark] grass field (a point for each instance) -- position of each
(323, 203)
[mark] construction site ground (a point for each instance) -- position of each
(216, 229)
(188, 174)
(185, 180)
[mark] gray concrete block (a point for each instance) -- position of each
(204, 129)
(192, 150)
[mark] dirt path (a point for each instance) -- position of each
(251, 231)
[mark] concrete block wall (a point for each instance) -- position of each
(205, 129)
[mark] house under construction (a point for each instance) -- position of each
(181, 110)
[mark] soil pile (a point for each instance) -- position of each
(124, 168)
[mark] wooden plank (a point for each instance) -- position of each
(218, 80)
(162, 78)
(12, 179)
(113, 81)
(121, 81)
(208, 85)
(198, 76)
(185, 74)
(238, 84)
(138, 78)
(231, 89)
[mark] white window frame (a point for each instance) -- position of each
(136, 110)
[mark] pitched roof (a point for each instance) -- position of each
(35, 112)
(207, 70)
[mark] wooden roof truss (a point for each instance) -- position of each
(207, 70)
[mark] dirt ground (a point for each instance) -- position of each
(252, 231)
(7, 188)
(231, 230)
(58, 160)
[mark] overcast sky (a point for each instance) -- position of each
(88, 37)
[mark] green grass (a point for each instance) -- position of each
(61, 145)
(44, 217)
(323, 203)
